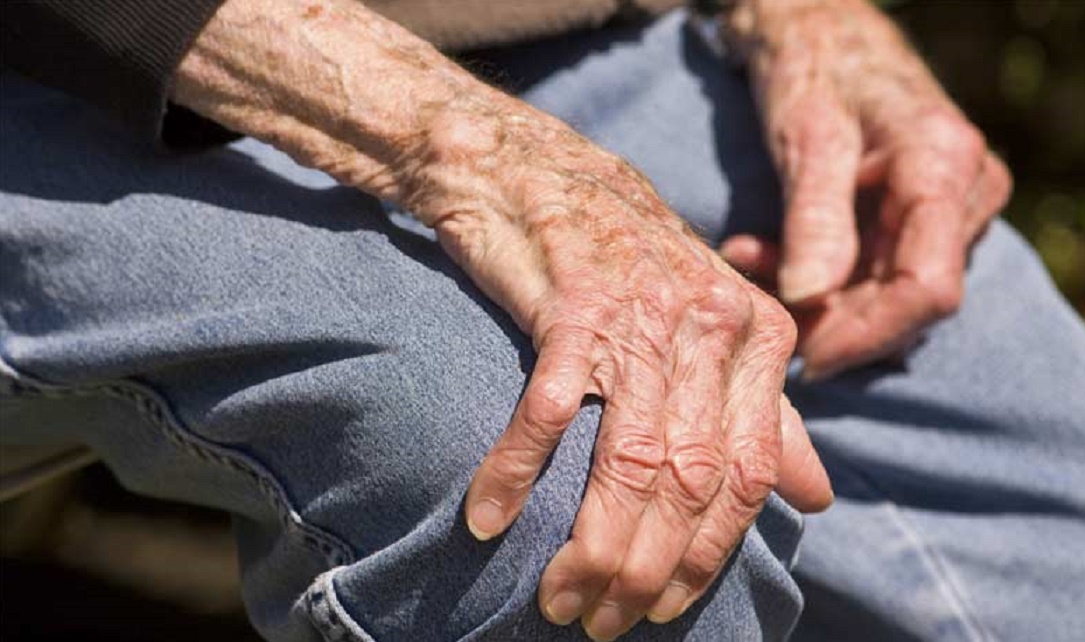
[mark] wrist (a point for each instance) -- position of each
(757, 30)
(494, 157)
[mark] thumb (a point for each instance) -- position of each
(803, 480)
(820, 236)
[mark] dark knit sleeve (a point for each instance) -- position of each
(118, 54)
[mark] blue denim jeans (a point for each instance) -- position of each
(230, 329)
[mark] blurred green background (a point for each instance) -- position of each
(1017, 68)
(83, 559)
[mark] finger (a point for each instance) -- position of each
(803, 480)
(820, 240)
(629, 454)
(752, 445)
(878, 318)
(989, 195)
(755, 257)
(804, 483)
(550, 402)
(916, 260)
(688, 484)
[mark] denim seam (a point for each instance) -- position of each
(941, 572)
(328, 615)
(944, 574)
(155, 409)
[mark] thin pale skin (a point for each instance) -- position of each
(619, 297)
(887, 183)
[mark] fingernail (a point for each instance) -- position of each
(803, 281)
(564, 607)
(606, 623)
(670, 605)
(485, 519)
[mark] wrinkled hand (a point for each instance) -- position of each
(621, 300)
(624, 302)
(887, 184)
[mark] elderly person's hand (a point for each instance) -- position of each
(887, 184)
(622, 302)
(621, 299)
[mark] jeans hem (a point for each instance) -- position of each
(328, 615)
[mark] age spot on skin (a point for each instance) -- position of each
(313, 11)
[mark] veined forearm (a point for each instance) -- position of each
(347, 91)
(329, 82)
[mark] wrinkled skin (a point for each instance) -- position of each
(887, 184)
(620, 298)
(623, 302)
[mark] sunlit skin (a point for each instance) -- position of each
(850, 110)
(621, 300)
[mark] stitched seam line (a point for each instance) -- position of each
(328, 615)
(152, 407)
(945, 580)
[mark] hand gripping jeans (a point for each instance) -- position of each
(230, 329)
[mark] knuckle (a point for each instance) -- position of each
(754, 472)
(832, 138)
(509, 471)
(632, 460)
(1002, 182)
(939, 177)
(695, 470)
(950, 131)
(776, 327)
(599, 560)
(640, 583)
(725, 308)
(548, 409)
(944, 294)
(971, 140)
(703, 560)
(817, 121)
(537, 436)
(1005, 176)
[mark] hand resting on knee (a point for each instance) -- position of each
(621, 299)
